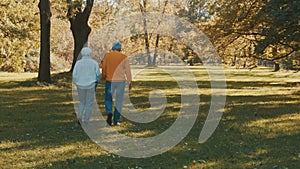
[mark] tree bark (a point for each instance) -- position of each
(158, 36)
(80, 30)
(146, 37)
(276, 67)
(156, 50)
(45, 24)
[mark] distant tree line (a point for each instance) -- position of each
(43, 36)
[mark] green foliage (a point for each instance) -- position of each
(74, 7)
(259, 128)
(267, 29)
(283, 28)
(235, 25)
(196, 10)
(19, 36)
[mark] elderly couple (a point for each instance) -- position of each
(116, 72)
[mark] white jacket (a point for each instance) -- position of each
(86, 72)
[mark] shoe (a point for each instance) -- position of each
(79, 122)
(108, 120)
(117, 124)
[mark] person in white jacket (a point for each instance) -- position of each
(86, 74)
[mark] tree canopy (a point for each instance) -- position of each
(252, 29)
(282, 30)
(19, 35)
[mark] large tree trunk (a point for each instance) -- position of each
(80, 30)
(45, 23)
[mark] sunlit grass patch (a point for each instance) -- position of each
(287, 124)
(259, 128)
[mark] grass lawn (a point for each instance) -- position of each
(260, 127)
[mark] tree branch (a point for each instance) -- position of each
(88, 9)
(284, 56)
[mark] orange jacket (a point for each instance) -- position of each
(116, 68)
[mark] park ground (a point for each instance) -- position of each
(260, 127)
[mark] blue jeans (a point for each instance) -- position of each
(110, 89)
(86, 100)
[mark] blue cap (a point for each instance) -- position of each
(116, 46)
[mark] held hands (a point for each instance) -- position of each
(129, 85)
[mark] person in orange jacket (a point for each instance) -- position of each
(116, 72)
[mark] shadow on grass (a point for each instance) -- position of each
(37, 112)
(40, 123)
